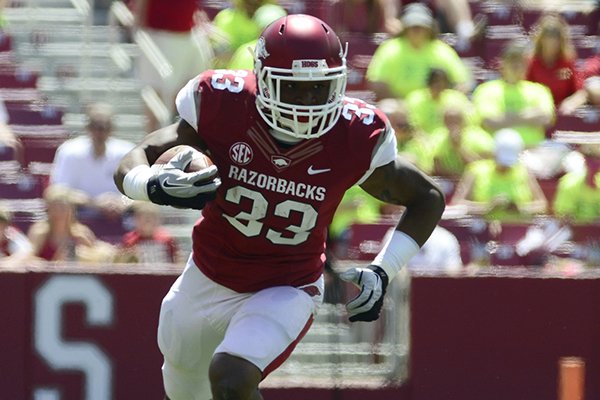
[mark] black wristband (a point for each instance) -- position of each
(155, 193)
(384, 277)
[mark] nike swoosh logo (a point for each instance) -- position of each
(169, 184)
(313, 171)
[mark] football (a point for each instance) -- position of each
(199, 161)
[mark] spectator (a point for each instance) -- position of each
(148, 242)
(448, 135)
(401, 64)
(553, 61)
(448, 149)
(512, 102)
(10, 145)
(243, 58)
(501, 188)
(426, 106)
(397, 114)
(237, 27)
(441, 252)
(61, 237)
(344, 16)
(86, 163)
(578, 190)
(14, 245)
(590, 92)
(454, 15)
(170, 25)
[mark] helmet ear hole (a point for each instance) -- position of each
(299, 48)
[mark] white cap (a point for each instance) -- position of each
(509, 145)
(417, 14)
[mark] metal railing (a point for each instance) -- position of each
(121, 16)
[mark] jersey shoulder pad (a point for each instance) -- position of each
(227, 82)
(362, 115)
(223, 89)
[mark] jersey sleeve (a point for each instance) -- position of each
(212, 94)
(385, 151)
(187, 102)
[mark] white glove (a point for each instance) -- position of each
(372, 282)
(171, 185)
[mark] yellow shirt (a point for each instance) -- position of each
(489, 183)
(435, 154)
(575, 199)
(243, 58)
(357, 206)
(495, 98)
(427, 114)
(405, 68)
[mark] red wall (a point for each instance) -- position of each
(128, 340)
(472, 337)
(501, 337)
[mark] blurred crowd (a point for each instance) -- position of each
(490, 139)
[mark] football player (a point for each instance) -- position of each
(286, 144)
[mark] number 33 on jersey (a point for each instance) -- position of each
(274, 200)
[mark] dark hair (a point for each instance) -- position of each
(437, 73)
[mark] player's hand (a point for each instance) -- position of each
(172, 186)
(372, 282)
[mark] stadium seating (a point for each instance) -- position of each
(38, 125)
(41, 125)
(20, 186)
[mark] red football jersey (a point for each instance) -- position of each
(268, 223)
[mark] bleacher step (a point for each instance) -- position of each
(47, 15)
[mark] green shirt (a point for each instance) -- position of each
(357, 206)
(575, 199)
(427, 114)
(495, 98)
(236, 26)
(435, 153)
(404, 68)
(490, 183)
(243, 58)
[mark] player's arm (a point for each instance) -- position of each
(400, 183)
(135, 179)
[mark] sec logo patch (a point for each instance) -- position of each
(241, 153)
